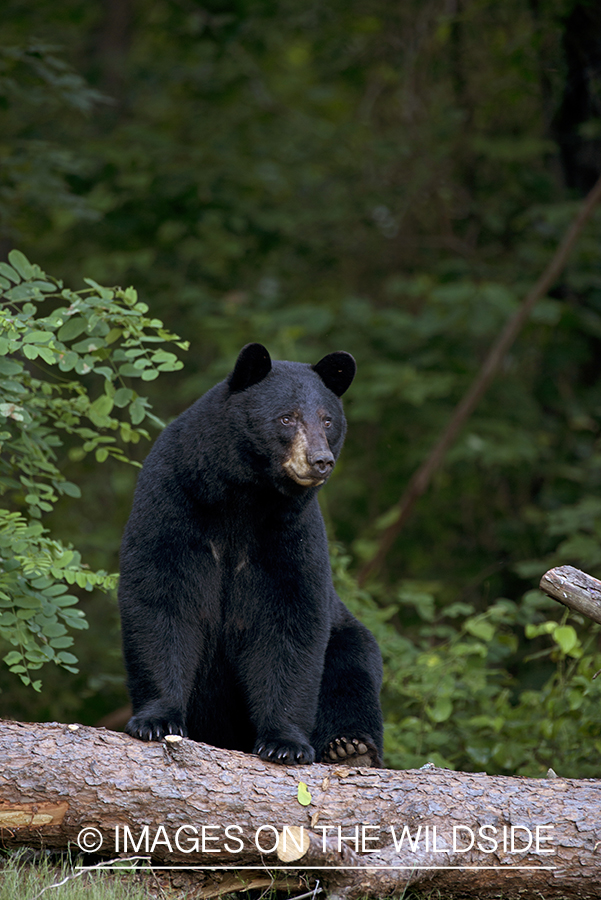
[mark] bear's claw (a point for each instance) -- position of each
(353, 752)
(290, 754)
(153, 729)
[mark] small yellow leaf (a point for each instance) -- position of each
(303, 795)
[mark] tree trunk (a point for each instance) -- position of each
(182, 803)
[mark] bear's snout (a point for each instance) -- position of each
(310, 459)
(321, 461)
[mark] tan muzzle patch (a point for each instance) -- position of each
(297, 465)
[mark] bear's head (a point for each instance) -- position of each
(290, 414)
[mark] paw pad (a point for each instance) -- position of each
(352, 752)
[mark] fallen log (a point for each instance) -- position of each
(237, 820)
(575, 589)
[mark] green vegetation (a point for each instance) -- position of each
(98, 332)
(20, 878)
(386, 179)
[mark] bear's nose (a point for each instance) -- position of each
(322, 461)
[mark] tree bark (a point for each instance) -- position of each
(182, 803)
(575, 589)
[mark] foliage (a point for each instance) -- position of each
(448, 697)
(39, 87)
(389, 180)
(104, 336)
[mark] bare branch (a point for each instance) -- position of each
(575, 589)
(422, 477)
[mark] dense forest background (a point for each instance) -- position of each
(384, 178)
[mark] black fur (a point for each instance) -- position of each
(232, 631)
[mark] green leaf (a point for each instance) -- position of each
(25, 613)
(480, 628)
(22, 292)
(567, 639)
(137, 411)
(163, 356)
(71, 613)
(113, 334)
(59, 643)
(88, 345)
(38, 337)
(49, 356)
(54, 590)
(20, 262)
(13, 658)
(102, 406)
(303, 795)
(127, 370)
(104, 293)
(26, 601)
(41, 583)
(67, 361)
(440, 710)
(46, 286)
(66, 600)
(53, 630)
(9, 273)
(72, 329)
(10, 366)
(122, 397)
(99, 412)
(72, 490)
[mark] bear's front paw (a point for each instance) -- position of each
(155, 727)
(287, 753)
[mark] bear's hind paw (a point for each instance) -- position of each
(353, 752)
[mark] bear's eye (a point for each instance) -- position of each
(287, 420)
(327, 422)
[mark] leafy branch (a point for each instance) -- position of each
(87, 346)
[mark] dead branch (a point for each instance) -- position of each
(420, 480)
(575, 589)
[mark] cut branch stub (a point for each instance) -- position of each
(575, 589)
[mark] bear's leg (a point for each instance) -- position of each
(348, 726)
(282, 690)
(162, 652)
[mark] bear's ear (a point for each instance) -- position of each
(337, 371)
(252, 365)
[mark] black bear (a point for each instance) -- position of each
(232, 631)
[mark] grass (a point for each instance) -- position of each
(29, 875)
